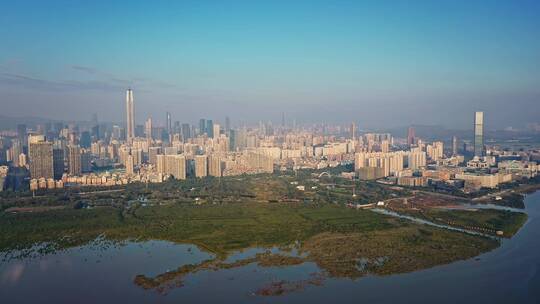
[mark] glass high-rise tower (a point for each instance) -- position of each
(130, 127)
(479, 134)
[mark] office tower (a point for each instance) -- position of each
(86, 162)
(201, 167)
(227, 124)
(169, 123)
(283, 119)
(177, 128)
(479, 134)
(210, 128)
(21, 134)
(41, 158)
(85, 140)
(353, 131)
(74, 160)
(130, 122)
(148, 129)
(216, 131)
(269, 130)
(116, 133)
(57, 127)
(186, 132)
(411, 136)
(40, 129)
(202, 126)
(48, 127)
(140, 131)
(454, 146)
(233, 140)
(214, 165)
(95, 132)
(58, 163)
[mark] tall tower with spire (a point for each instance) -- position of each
(130, 127)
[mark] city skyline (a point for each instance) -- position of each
(307, 151)
(129, 122)
(391, 65)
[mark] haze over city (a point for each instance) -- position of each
(382, 65)
(270, 152)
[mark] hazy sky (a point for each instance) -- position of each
(374, 62)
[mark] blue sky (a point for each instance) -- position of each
(374, 62)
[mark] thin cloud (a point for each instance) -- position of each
(84, 69)
(37, 83)
(127, 82)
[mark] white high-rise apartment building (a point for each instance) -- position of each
(214, 165)
(201, 165)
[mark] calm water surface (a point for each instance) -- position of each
(90, 274)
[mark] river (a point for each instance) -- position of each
(91, 274)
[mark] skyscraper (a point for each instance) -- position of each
(148, 129)
(210, 128)
(411, 136)
(58, 163)
(186, 131)
(85, 140)
(130, 122)
(454, 146)
(86, 161)
(21, 134)
(232, 140)
(479, 134)
(353, 131)
(227, 124)
(202, 126)
(169, 123)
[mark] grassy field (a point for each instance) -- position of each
(342, 241)
(218, 228)
(506, 221)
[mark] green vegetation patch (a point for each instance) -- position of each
(495, 220)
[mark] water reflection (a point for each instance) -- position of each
(90, 274)
(13, 273)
